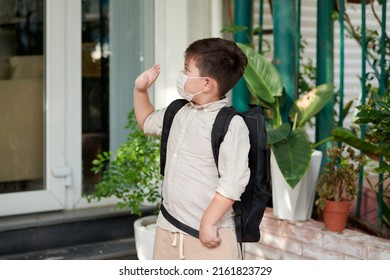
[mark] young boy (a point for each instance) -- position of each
(192, 190)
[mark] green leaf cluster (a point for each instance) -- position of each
(374, 116)
(132, 174)
(290, 144)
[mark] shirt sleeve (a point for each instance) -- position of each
(154, 122)
(233, 160)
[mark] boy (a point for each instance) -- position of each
(192, 190)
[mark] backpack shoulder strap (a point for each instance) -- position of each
(220, 127)
(170, 113)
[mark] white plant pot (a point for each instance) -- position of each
(295, 204)
(144, 232)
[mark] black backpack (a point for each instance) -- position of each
(250, 210)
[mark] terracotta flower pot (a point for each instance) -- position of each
(336, 215)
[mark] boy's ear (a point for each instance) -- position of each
(210, 85)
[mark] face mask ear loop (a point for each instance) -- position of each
(180, 85)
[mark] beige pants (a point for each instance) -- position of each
(175, 246)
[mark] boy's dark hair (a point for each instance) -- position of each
(219, 59)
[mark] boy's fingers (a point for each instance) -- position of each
(155, 68)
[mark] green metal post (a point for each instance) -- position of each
(341, 77)
(382, 88)
(382, 84)
(284, 50)
(298, 40)
(325, 64)
(363, 102)
(242, 16)
(261, 9)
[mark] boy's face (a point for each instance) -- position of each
(192, 85)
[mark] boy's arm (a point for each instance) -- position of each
(234, 171)
(142, 105)
(208, 225)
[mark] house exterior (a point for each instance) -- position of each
(66, 75)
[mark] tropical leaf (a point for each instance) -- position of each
(278, 134)
(344, 135)
(311, 103)
(346, 109)
(261, 76)
(234, 28)
(293, 156)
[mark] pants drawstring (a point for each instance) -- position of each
(181, 248)
(174, 241)
(181, 243)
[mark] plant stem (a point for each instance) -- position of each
(295, 121)
(316, 145)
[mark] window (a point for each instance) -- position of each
(22, 79)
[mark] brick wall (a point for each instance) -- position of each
(287, 240)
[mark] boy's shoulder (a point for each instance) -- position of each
(230, 117)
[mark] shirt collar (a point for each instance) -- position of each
(212, 106)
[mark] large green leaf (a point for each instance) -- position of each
(261, 76)
(278, 134)
(344, 135)
(293, 156)
(311, 103)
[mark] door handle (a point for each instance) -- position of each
(63, 171)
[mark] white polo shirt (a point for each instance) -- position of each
(191, 178)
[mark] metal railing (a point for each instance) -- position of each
(379, 69)
(380, 72)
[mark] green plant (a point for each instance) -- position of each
(374, 116)
(338, 179)
(133, 174)
(289, 142)
(376, 119)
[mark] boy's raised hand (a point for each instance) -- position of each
(147, 78)
(142, 105)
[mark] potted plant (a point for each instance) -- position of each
(372, 116)
(337, 186)
(292, 153)
(376, 146)
(132, 175)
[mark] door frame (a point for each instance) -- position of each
(62, 110)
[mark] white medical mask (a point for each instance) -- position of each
(180, 83)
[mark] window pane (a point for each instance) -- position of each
(22, 96)
(95, 86)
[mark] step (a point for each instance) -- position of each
(39, 232)
(122, 249)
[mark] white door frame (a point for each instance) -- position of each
(73, 102)
(62, 114)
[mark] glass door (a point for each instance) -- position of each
(95, 86)
(33, 173)
(117, 45)
(66, 73)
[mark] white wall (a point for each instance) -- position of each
(352, 51)
(177, 24)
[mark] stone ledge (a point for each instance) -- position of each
(109, 250)
(46, 231)
(282, 239)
